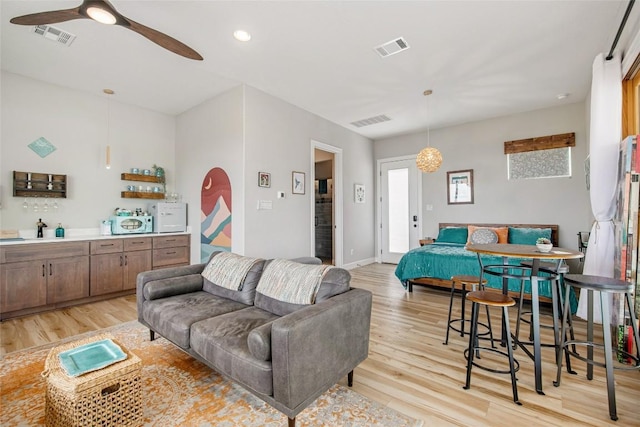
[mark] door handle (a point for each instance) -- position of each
(50, 269)
(415, 218)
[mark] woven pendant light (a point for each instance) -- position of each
(429, 159)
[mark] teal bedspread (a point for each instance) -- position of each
(444, 260)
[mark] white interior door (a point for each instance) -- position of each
(400, 209)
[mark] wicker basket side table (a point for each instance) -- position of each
(110, 396)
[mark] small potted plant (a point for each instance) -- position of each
(543, 244)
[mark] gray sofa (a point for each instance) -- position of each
(286, 354)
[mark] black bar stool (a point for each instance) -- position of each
(604, 285)
(462, 281)
(491, 299)
(558, 270)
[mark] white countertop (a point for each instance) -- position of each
(75, 235)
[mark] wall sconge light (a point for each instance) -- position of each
(429, 159)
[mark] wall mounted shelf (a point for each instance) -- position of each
(36, 184)
(139, 177)
(141, 195)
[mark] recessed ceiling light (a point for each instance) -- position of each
(242, 35)
(108, 91)
(562, 96)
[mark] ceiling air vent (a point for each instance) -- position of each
(371, 121)
(392, 47)
(54, 34)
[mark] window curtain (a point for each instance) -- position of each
(604, 141)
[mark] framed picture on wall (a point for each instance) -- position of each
(460, 187)
(264, 179)
(297, 182)
(358, 193)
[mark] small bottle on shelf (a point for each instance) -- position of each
(59, 231)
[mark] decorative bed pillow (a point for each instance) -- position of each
(452, 235)
(527, 236)
(246, 291)
(483, 235)
(502, 232)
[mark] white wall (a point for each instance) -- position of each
(76, 123)
(207, 136)
(480, 146)
(278, 141)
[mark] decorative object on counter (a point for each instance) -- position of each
(105, 228)
(135, 171)
(544, 245)
(42, 147)
(146, 172)
(40, 225)
(59, 231)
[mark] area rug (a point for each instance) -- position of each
(178, 390)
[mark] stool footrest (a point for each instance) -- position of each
(598, 363)
(493, 350)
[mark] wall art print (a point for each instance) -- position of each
(215, 213)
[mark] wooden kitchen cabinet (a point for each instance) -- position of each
(22, 285)
(171, 251)
(42, 275)
(115, 263)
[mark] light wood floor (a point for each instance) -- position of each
(409, 369)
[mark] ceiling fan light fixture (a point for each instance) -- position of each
(242, 35)
(101, 15)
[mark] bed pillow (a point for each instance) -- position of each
(483, 236)
(452, 235)
(527, 236)
(502, 232)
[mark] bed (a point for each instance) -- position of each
(434, 264)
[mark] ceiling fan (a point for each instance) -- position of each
(102, 11)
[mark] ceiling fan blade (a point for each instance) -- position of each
(163, 40)
(52, 17)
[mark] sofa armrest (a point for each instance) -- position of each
(314, 347)
(163, 274)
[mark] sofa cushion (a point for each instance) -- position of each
(222, 341)
(172, 317)
(335, 281)
(170, 286)
(247, 291)
(259, 341)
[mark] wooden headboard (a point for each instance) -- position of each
(553, 227)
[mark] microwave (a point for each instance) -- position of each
(131, 224)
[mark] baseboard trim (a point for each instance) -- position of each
(359, 263)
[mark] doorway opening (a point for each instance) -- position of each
(323, 212)
(326, 204)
